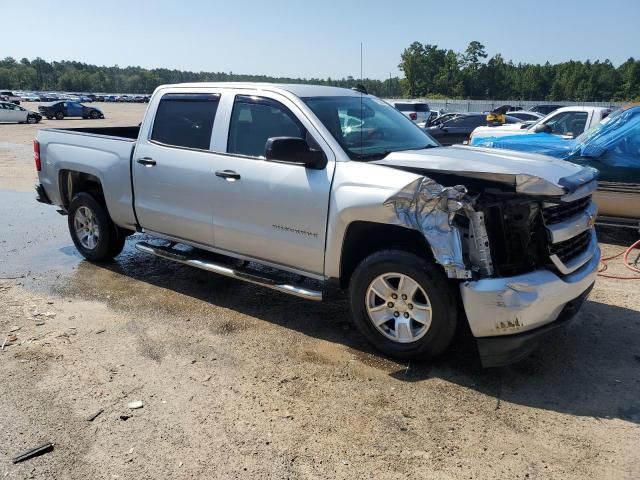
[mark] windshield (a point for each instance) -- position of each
(368, 128)
(412, 107)
(615, 141)
(590, 132)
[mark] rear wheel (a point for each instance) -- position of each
(403, 304)
(59, 116)
(95, 236)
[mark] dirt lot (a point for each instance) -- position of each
(241, 382)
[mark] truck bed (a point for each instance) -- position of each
(102, 152)
(129, 133)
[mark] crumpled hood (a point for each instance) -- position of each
(503, 166)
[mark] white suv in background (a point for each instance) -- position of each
(567, 122)
(416, 110)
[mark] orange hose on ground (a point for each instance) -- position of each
(625, 261)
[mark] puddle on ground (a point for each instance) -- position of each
(35, 242)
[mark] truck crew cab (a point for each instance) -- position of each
(422, 236)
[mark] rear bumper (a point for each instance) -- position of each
(41, 195)
(508, 315)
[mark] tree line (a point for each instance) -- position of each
(435, 72)
(429, 71)
(69, 76)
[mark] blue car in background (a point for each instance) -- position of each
(68, 108)
(612, 147)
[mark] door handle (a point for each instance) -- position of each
(228, 175)
(146, 161)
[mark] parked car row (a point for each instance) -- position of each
(17, 97)
(457, 128)
(451, 128)
(10, 112)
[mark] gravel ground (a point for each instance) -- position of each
(242, 382)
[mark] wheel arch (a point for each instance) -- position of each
(362, 238)
(73, 181)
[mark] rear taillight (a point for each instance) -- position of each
(36, 155)
(413, 116)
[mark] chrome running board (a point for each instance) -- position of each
(187, 258)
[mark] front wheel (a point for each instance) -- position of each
(93, 232)
(31, 119)
(403, 304)
(59, 116)
(93, 115)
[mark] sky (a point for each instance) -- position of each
(313, 39)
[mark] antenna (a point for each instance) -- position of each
(360, 86)
(360, 62)
(361, 95)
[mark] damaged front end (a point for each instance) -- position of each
(446, 215)
(491, 226)
(525, 250)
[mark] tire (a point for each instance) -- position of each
(59, 116)
(423, 333)
(92, 231)
(31, 119)
(93, 115)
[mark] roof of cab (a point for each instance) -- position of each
(581, 108)
(299, 90)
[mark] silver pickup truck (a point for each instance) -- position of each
(304, 188)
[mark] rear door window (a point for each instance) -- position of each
(185, 120)
(256, 119)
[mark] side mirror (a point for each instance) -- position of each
(542, 128)
(295, 151)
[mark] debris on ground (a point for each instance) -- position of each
(9, 340)
(93, 416)
(34, 452)
(135, 405)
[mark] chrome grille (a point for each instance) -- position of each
(570, 249)
(569, 233)
(558, 213)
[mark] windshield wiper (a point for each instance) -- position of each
(382, 154)
(372, 156)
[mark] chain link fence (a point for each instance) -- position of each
(488, 105)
